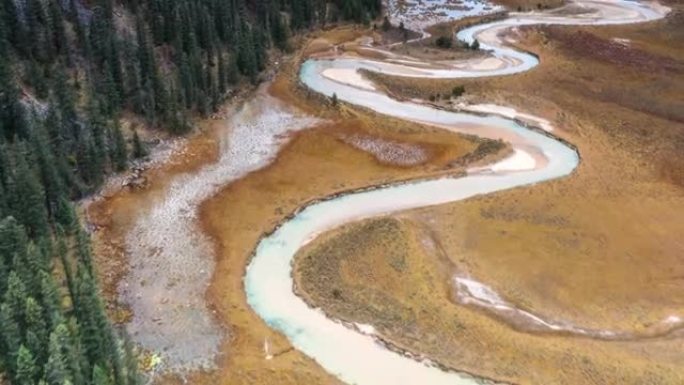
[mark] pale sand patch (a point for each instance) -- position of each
(348, 76)
(508, 112)
(488, 64)
(519, 161)
(365, 328)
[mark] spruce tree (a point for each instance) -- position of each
(65, 215)
(15, 299)
(13, 239)
(28, 198)
(59, 39)
(26, 368)
(12, 114)
(56, 369)
(10, 338)
(49, 174)
(139, 150)
(50, 300)
(70, 352)
(4, 274)
(100, 376)
(36, 330)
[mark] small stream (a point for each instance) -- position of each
(358, 358)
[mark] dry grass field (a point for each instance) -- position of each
(600, 249)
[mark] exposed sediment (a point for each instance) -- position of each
(171, 259)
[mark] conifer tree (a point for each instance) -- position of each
(15, 299)
(26, 368)
(49, 174)
(56, 370)
(69, 350)
(12, 114)
(50, 300)
(67, 73)
(119, 153)
(100, 376)
(10, 338)
(59, 39)
(36, 330)
(138, 148)
(64, 214)
(28, 198)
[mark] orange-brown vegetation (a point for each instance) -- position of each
(598, 249)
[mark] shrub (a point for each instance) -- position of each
(386, 25)
(443, 42)
(457, 91)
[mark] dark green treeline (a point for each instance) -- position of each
(69, 70)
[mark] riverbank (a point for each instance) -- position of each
(315, 164)
(347, 150)
(606, 250)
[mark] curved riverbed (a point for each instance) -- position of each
(350, 355)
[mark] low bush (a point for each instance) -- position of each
(443, 42)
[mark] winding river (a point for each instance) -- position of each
(352, 356)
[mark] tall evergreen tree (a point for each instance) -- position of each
(36, 330)
(139, 150)
(27, 370)
(10, 338)
(56, 369)
(28, 198)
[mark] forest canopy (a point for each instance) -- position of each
(69, 71)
